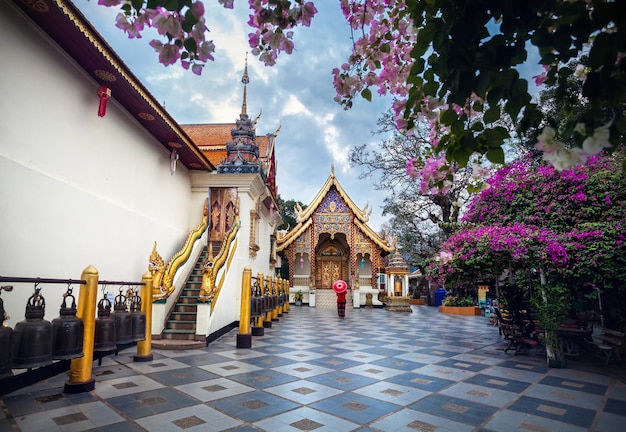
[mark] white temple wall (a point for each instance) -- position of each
(76, 189)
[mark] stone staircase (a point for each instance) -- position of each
(180, 328)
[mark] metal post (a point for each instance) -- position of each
(274, 291)
(267, 320)
(244, 337)
(81, 379)
(144, 347)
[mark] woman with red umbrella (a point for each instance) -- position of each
(340, 287)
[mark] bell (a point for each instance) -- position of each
(256, 306)
(104, 334)
(6, 342)
(33, 336)
(138, 319)
(67, 332)
(123, 322)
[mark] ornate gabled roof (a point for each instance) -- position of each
(360, 220)
(397, 264)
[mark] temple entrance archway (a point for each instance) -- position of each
(332, 257)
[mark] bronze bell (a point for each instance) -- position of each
(33, 336)
(256, 306)
(104, 334)
(138, 319)
(6, 342)
(67, 331)
(123, 322)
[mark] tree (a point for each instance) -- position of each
(423, 206)
(446, 61)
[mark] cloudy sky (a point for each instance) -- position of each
(295, 94)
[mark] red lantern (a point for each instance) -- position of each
(104, 93)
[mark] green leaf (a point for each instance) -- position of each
(492, 114)
(191, 45)
(496, 155)
(367, 94)
(386, 48)
(448, 117)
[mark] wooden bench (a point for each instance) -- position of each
(518, 337)
(607, 344)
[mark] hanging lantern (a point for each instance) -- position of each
(33, 336)
(6, 340)
(138, 318)
(301, 261)
(173, 159)
(104, 93)
(362, 262)
(123, 322)
(104, 335)
(67, 331)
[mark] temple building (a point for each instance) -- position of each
(333, 241)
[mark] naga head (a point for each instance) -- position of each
(155, 262)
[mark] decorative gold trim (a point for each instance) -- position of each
(182, 255)
(174, 144)
(209, 290)
(122, 70)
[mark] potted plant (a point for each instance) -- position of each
(459, 306)
(297, 297)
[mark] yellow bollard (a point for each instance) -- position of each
(286, 288)
(279, 292)
(81, 380)
(244, 337)
(144, 347)
(270, 282)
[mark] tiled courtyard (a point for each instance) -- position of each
(375, 370)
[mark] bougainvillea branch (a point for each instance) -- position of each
(182, 24)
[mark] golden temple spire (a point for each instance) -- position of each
(332, 168)
(245, 80)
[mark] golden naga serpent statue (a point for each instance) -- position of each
(162, 276)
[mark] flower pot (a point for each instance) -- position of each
(558, 364)
(460, 310)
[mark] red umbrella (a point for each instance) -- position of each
(340, 286)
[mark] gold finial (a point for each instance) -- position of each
(258, 117)
(277, 129)
(245, 80)
(332, 168)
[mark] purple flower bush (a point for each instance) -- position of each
(569, 224)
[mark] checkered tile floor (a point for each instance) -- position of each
(375, 370)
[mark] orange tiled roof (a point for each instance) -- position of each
(212, 139)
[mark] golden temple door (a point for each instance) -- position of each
(331, 270)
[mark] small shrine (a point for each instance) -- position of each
(398, 272)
